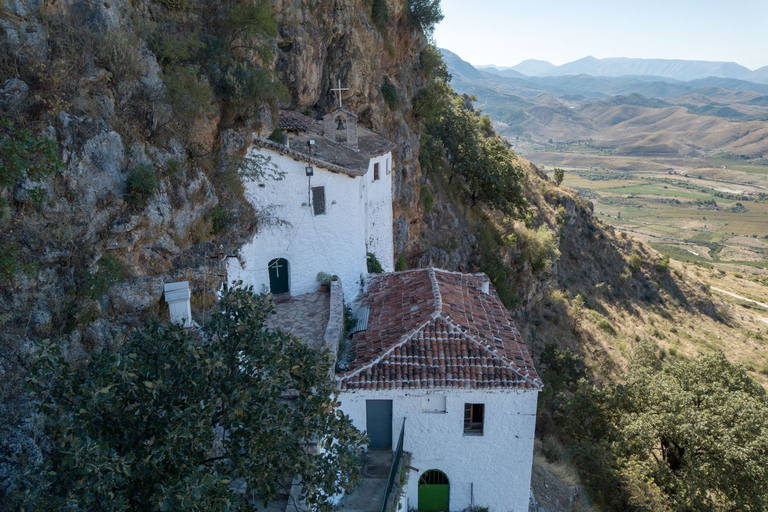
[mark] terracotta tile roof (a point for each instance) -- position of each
(432, 328)
(290, 120)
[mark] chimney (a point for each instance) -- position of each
(485, 286)
(177, 296)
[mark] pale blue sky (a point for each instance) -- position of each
(506, 32)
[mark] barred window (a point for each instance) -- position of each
(318, 200)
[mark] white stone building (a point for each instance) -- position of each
(333, 204)
(441, 353)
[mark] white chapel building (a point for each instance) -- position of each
(332, 206)
(441, 355)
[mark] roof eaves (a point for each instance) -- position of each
(280, 148)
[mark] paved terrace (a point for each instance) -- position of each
(305, 316)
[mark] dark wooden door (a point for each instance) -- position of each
(278, 276)
(378, 420)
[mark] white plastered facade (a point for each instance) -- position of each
(357, 219)
(494, 468)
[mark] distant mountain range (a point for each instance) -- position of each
(638, 113)
(674, 69)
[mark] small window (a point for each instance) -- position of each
(473, 419)
(389, 166)
(318, 200)
(433, 403)
(375, 172)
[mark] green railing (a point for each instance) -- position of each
(393, 469)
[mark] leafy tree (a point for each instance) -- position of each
(559, 175)
(427, 14)
(687, 436)
(175, 421)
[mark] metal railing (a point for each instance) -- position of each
(393, 469)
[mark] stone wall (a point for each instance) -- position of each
(335, 328)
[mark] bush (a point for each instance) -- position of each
(110, 271)
(119, 51)
(189, 95)
(605, 325)
(140, 185)
(539, 247)
(663, 265)
(220, 220)
(374, 266)
(380, 14)
(24, 155)
(426, 197)
(401, 264)
(558, 176)
(635, 262)
(389, 91)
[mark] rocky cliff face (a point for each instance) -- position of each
(148, 196)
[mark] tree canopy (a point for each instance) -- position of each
(686, 436)
(174, 421)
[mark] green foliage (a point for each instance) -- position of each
(9, 263)
(401, 264)
(604, 325)
(685, 436)
(454, 133)
(389, 91)
(380, 14)
(277, 135)
(560, 369)
(635, 262)
(426, 13)
(374, 266)
(140, 185)
(119, 51)
(539, 247)
(559, 175)
(171, 420)
(189, 96)
(427, 198)
(110, 271)
(24, 155)
(220, 218)
(434, 96)
(490, 244)
(324, 278)
(663, 265)
(176, 5)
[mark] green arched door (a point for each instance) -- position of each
(278, 276)
(434, 491)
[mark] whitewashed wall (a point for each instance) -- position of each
(332, 243)
(498, 463)
(379, 212)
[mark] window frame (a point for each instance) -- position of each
(472, 425)
(376, 174)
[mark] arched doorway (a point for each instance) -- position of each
(434, 491)
(278, 276)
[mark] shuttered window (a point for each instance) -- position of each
(318, 200)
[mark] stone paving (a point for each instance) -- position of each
(304, 316)
(368, 495)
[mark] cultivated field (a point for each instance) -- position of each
(706, 210)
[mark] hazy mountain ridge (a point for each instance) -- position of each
(633, 115)
(678, 69)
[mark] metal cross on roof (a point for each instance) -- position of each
(339, 89)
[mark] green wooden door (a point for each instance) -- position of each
(434, 491)
(278, 276)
